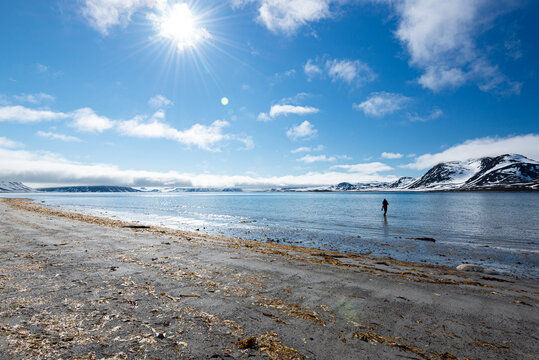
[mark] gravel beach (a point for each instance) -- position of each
(74, 286)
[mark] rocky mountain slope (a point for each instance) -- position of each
(504, 172)
(14, 187)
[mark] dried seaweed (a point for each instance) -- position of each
(292, 309)
(271, 345)
(374, 338)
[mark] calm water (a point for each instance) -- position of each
(496, 230)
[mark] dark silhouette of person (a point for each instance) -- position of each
(384, 206)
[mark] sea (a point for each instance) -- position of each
(498, 231)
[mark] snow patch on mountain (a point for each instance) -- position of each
(14, 187)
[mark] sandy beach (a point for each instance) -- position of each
(74, 286)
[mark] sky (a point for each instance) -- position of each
(262, 93)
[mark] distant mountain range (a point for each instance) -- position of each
(105, 188)
(500, 173)
(184, 189)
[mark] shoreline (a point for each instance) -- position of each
(488, 259)
(326, 256)
(250, 298)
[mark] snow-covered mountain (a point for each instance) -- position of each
(504, 172)
(402, 183)
(14, 186)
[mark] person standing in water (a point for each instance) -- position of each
(384, 206)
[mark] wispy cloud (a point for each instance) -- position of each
(312, 69)
(308, 159)
(527, 145)
(9, 144)
(159, 101)
(349, 71)
(307, 149)
(441, 38)
(44, 69)
(345, 70)
(434, 114)
(105, 14)
(34, 98)
(389, 155)
(382, 103)
(41, 68)
(283, 110)
(305, 130)
(55, 136)
(25, 115)
(365, 168)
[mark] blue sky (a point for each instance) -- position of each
(262, 92)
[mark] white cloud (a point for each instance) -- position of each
(10, 144)
(308, 159)
(311, 69)
(349, 71)
(365, 168)
(104, 14)
(307, 149)
(202, 136)
(283, 110)
(527, 145)
(25, 115)
(287, 16)
(388, 155)
(159, 101)
(43, 168)
(34, 98)
(304, 130)
(441, 38)
(438, 78)
(87, 120)
(263, 117)
(278, 110)
(290, 72)
(435, 114)
(55, 136)
(382, 103)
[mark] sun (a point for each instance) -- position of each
(177, 24)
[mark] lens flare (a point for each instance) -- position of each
(224, 101)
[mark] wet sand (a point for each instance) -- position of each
(74, 286)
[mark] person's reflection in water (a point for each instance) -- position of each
(386, 227)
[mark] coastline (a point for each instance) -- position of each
(250, 298)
